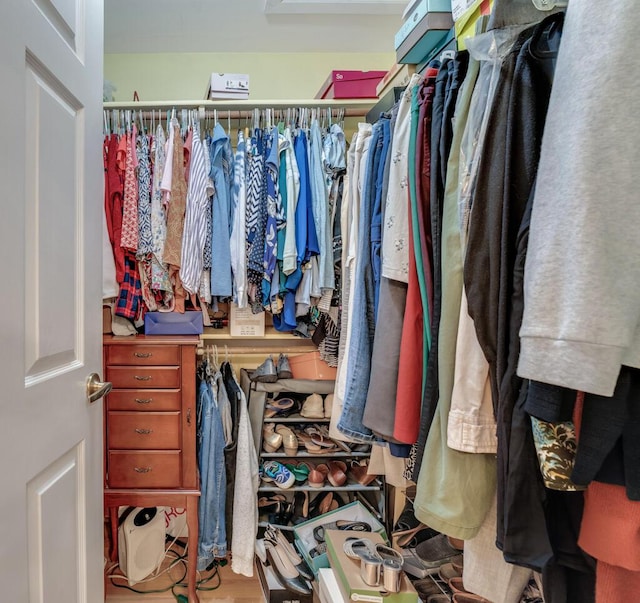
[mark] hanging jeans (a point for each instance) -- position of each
(212, 540)
(363, 324)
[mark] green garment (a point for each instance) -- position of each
(454, 489)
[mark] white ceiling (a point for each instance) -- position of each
(251, 25)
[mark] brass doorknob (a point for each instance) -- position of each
(96, 388)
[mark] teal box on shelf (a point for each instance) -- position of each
(425, 38)
(306, 542)
(420, 11)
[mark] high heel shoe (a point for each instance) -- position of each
(284, 570)
(271, 440)
(277, 538)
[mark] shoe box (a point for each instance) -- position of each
(347, 572)
(274, 592)
(305, 541)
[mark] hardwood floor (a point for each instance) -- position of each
(233, 588)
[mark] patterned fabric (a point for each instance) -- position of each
(256, 215)
(144, 271)
(271, 227)
(159, 272)
(145, 240)
(556, 449)
(207, 246)
(129, 237)
(238, 225)
(177, 203)
(195, 234)
(129, 304)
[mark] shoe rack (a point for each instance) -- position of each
(258, 395)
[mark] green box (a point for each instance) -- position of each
(305, 541)
(347, 572)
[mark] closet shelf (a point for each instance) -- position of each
(294, 419)
(357, 107)
(348, 488)
(309, 455)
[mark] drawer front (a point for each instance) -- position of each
(144, 469)
(140, 355)
(144, 400)
(146, 377)
(143, 431)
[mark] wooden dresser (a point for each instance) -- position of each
(150, 430)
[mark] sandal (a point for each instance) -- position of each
(278, 407)
(271, 440)
(309, 445)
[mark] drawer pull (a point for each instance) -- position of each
(144, 400)
(142, 469)
(142, 378)
(143, 354)
(143, 431)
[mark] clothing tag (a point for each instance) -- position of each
(549, 4)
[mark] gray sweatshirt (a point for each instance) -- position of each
(582, 275)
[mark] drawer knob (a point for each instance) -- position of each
(143, 354)
(144, 400)
(142, 377)
(143, 431)
(142, 469)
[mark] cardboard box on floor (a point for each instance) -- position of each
(347, 572)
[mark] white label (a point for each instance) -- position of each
(245, 323)
(458, 7)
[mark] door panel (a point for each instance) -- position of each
(55, 508)
(54, 163)
(50, 325)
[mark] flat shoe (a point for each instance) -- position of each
(438, 599)
(313, 407)
(337, 475)
(289, 440)
(317, 475)
(271, 441)
(456, 585)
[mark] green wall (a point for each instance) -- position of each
(271, 75)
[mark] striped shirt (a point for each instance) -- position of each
(195, 224)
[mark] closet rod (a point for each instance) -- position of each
(244, 108)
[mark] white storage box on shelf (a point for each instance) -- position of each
(225, 86)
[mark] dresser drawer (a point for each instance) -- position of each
(144, 399)
(140, 355)
(143, 430)
(147, 377)
(157, 469)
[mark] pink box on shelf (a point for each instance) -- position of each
(351, 84)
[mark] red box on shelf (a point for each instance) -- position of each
(351, 84)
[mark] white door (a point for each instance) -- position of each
(50, 314)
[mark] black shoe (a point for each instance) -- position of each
(284, 368)
(266, 372)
